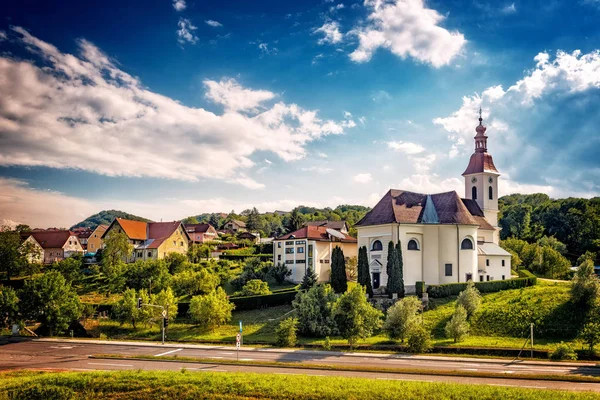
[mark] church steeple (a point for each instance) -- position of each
(480, 138)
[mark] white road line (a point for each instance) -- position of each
(226, 353)
(509, 372)
(112, 365)
(246, 359)
(168, 352)
(216, 357)
(470, 369)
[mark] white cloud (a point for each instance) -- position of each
(380, 96)
(321, 155)
(213, 23)
(3, 36)
(266, 50)
(337, 7)
(58, 114)
(268, 161)
(509, 9)
(318, 170)
(179, 5)
(362, 178)
(247, 182)
(408, 29)
(406, 147)
(331, 32)
(185, 33)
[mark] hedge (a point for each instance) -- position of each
(453, 289)
(243, 257)
(281, 297)
(524, 273)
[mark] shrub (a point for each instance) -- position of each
(253, 269)
(191, 283)
(563, 352)
(280, 272)
(457, 327)
(211, 310)
(327, 343)
(420, 288)
(339, 281)
(268, 300)
(309, 279)
(314, 310)
(286, 332)
(419, 339)
(590, 334)
(354, 316)
(453, 289)
(38, 391)
(401, 317)
(585, 286)
(470, 299)
(9, 307)
(524, 273)
(255, 287)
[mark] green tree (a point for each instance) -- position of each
(553, 264)
(399, 275)
(192, 283)
(175, 262)
(49, 299)
(470, 299)
(70, 268)
(355, 317)
(211, 310)
(314, 310)
(590, 334)
(551, 241)
(395, 283)
(255, 221)
(401, 317)
(126, 310)
(419, 339)
(117, 250)
(339, 283)
(197, 252)
(165, 298)
(286, 332)
(516, 221)
(585, 286)
(280, 272)
(457, 327)
(309, 279)
(9, 307)
(147, 274)
(364, 276)
(12, 258)
(295, 220)
(255, 287)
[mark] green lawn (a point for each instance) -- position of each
(206, 385)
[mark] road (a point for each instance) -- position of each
(74, 355)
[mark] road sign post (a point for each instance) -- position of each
(238, 339)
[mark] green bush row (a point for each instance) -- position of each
(524, 273)
(453, 289)
(243, 257)
(262, 301)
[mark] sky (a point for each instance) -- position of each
(172, 108)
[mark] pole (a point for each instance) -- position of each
(163, 330)
(531, 333)
(167, 318)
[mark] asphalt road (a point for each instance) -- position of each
(74, 355)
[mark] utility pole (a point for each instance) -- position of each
(531, 333)
(164, 314)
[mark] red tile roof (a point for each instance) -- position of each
(480, 162)
(197, 228)
(317, 233)
(49, 239)
(161, 231)
(133, 229)
(337, 225)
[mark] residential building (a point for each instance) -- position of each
(341, 226)
(83, 235)
(152, 240)
(251, 236)
(200, 233)
(311, 246)
(235, 225)
(94, 242)
(52, 245)
(444, 238)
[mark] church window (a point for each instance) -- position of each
(491, 193)
(487, 262)
(448, 269)
(466, 244)
(503, 277)
(503, 263)
(413, 244)
(376, 246)
(474, 193)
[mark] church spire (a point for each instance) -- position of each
(480, 138)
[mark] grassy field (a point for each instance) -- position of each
(206, 385)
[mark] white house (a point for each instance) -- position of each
(445, 238)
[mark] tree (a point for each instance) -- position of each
(399, 275)
(470, 299)
(255, 287)
(116, 250)
(457, 327)
(286, 332)
(401, 317)
(211, 310)
(191, 283)
(70, 268)
(590, 334)
(419, 339)
(395, 282)
(551, 241)
(553, 264)
(338, 271)
(295, 220)
(280, 272)
(11, 257)
(197, 252)
(126, 310)
(254, 222)
(354, 316)
(585, 286)
(9, 307)
(516, 221)
(22, 228)
(147, 274)
(314, 310)
(215, 221)
(175, 262)
(309, 279)
(364, 275)
(49, 299)
(352, 269)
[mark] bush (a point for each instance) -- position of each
(590, 334)
(314, 309)
(563, 352)
(270, 300)
(354, 316)
(191, 283)
(419, 339)
(470, 299)
(457, 327)
(453, 289)
(253, 269)
(286, 332)
(211, 310)
(524, 273)
(255, 287)
(309, 279)
(420, 288)
(280, 272)
(585, 286)
(401, 317)
(39, 391)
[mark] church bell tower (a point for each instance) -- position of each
(481, 177)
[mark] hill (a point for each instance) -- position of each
(106, 217)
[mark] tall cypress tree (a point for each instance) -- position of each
(339, 281)
(392, 267)
(364, 277)
(400, 272)
(389, 256)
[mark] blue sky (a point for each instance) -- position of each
(167, 109)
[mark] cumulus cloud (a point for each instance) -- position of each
(331, 32)
(362, 178)
(408, 29)
(509, 9)
(185, 33)
(59, 116)
(406, 147)
(213, 23)
(316, 169)
(179, 5)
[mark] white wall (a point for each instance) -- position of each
(495, 270)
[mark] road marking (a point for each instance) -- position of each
(509, 372)
(246, 359)
(216, 357)
(112, 365)
(470, 369)
(227, 353)
(168, 352)
(61, 347)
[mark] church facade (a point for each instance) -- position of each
(444, 238)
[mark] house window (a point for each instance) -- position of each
(487, 262)
(289, 250)
(466, 244)
(300, 250)
(278, 245)
(92, 246)
(491, 193)
(149, 254)
(290, 243)
(448, 269)
(139, 254)
(300, 261)
(376, 246)
(487, 277)
(181, 243)
(299, 242)
(174, 243)
(503, 277)
(503, 263)
(474, 193)
(310, 255)
(289, 261)
(278, 257)
(480, 278)
(413, 244)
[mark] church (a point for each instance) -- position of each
(444, 238)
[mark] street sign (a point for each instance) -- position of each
(164, 313)
(241, 327)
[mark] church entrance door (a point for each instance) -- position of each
(376, 280)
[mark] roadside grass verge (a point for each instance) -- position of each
(358, 368)
(206, 385)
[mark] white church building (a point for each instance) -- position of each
(445, 238)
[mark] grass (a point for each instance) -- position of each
(207, 385)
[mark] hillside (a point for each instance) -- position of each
(106, 217)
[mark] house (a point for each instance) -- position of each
(200, 233)
(311, 246)
(445, 238)
(341, 226)
(251, 236)
(151, 240)
(234, 225)
(52, 245)
(83, 234)
(94, 242)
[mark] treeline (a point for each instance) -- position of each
(573, 222)
(106, 217)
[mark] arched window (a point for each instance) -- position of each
(376, 246)
(413, 244)
(474, 193)
(491, 193)
(466, 244)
